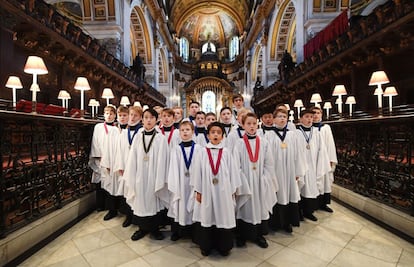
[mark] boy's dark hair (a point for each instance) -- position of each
(314, 108)
(152, 112)
(194, 102)
(211, 114)
(224, 108)
(237, 96)
(216, 124)
(169, 111)
(305, 111)
(201, 113)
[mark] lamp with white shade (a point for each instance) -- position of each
(390, 92)
(124, 101)
(378, 78)
(298, 104)
(327, 105)
(339, 91)
(350, 100)
(35, 66)
(14, 83)
(137, 104)
(93, 104)
(64, 96)
(145, 107)
(107, 94)
(287, 106)
(316, 98)
(82, 85)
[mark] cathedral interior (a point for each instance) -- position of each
(170, 52)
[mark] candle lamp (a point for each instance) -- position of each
(35, 66)
(14, 83)
(82, 85)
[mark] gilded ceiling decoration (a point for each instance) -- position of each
(214, 20)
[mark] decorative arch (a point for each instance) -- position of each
(257, 61)
(162, 67)
(140, 36)
(284, 29)
(221, 89)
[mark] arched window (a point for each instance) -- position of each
(208, 102)
(234, 48)
(184, 49)
(205, 46)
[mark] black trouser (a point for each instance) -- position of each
(100, 197)
(248, 231)
(324, 200)
(308, 205)
(283, 215)
(209, 238)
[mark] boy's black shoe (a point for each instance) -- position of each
(288, 228)
(138, 235)
(310, 216)
(128, 221)
(261, 242)
(175, 236)
(240, 242)
(111, 214)
(224, 253)
(327, 209)
(205, 252)
(157, 235)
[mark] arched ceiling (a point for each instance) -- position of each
(214, 20)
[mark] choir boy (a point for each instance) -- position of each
(310, 144)
(167, 127)
(178, 116)
(254, 158)
(200, 131)
(193, 109)
(237, 131)
(210, 117)
(267, 128)
(291, 126)
(99, 141)
(327, 138)
(146, 177)
(127, 137)
(180, 171)
(215, 182)
(226, 120)
(289, 166)
(238, 103)
(110, 178)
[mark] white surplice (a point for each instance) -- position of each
(181, 193)
(259, 178)
(145, 175)
(327, 138)
(316, 163)
(217, 205)
(288, 164)
(99, 141)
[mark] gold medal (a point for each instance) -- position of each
(187, 174)
(283, 145)
(307, 146)
(254, 166)
(215, 181)
(146, 158)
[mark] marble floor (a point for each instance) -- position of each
(342, 238)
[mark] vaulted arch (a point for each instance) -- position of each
(140, 36)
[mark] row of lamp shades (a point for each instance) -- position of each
(378, 78)
(36, 66)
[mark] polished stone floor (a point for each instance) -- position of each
(342, 238)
